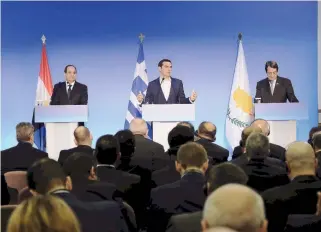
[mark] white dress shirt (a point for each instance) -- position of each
(67, 85)
(166, 86)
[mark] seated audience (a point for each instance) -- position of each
(46, 176)
(83, 140)
(219, 175)
(262, 171)
(184, 195)
(43, 213)
(236, 207)
(81, 168)
(22, 156)
(300, 195)
(312, 132)
(207, 135)
(316, 144)
(177, 137)
(276, 151)
(147, 152)
(127, 143)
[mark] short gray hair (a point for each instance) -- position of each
(244, 213)
(138, 126)
(24, 131)
(257, 145)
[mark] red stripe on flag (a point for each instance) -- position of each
(44, 72)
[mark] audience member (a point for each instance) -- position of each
(219, 175)
(312, 132)
(263, 172)
(184, 195)
(207, 135)
(23, 155)
(300, 195)
(177, 137)
(83, 140)
(46, 176)
(236, 207)
(43, 213)
(81, 168)
(149, 152)
(316, 144)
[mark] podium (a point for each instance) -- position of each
(164, 118)
(282, 118)
(60, 122)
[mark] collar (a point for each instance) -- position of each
(22, 143)
(192, 171)
(59, 191)
(105, 165)
(161, 78)
(72, 84)
(305, 178)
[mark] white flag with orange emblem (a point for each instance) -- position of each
(240, 112)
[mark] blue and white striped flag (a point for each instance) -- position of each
(139, 85)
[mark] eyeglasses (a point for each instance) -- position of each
(272, 73)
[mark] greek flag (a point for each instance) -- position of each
(140, 84)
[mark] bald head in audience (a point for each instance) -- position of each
(235, 206)
(82, 136)
(207, 130)
(263, 125)
(300, 159)
(138, 126)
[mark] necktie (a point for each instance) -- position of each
(69, 92)
(272, 86)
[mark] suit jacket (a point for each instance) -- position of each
(79, 94)
(216, 152)
(148, 154)
(303, 223)
(264, 173)
(20, 157)
(95, 216)
(64, 154)
(283, 91)
(276, 151)
(185, 195)
(92, 190)
(243, 160)
(187, 222)
(155, 95)
(297, 197)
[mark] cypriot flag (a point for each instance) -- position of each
(240, 112)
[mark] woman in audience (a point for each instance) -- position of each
(43, 214)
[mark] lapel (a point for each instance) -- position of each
(73, 91)
(268, 87)
(172, 92)
(64, 90)
(277, 86)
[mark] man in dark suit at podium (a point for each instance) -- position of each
(166, 89)
(274, 89)
(69, 92)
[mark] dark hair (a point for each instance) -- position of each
(160, 63)
(257, 145)
(107, 149)
(126, 141)
(316, 142)
(225, 173)
(79, 164)
(188, 124)
(69, 65)
(312, 131)
(191, 154)
(271, 64)
(44, 175)
(180, 135)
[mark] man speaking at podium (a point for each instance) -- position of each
(69, 92)
(274, 89)
(166, 89)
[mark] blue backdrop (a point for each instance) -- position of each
(100, 38)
